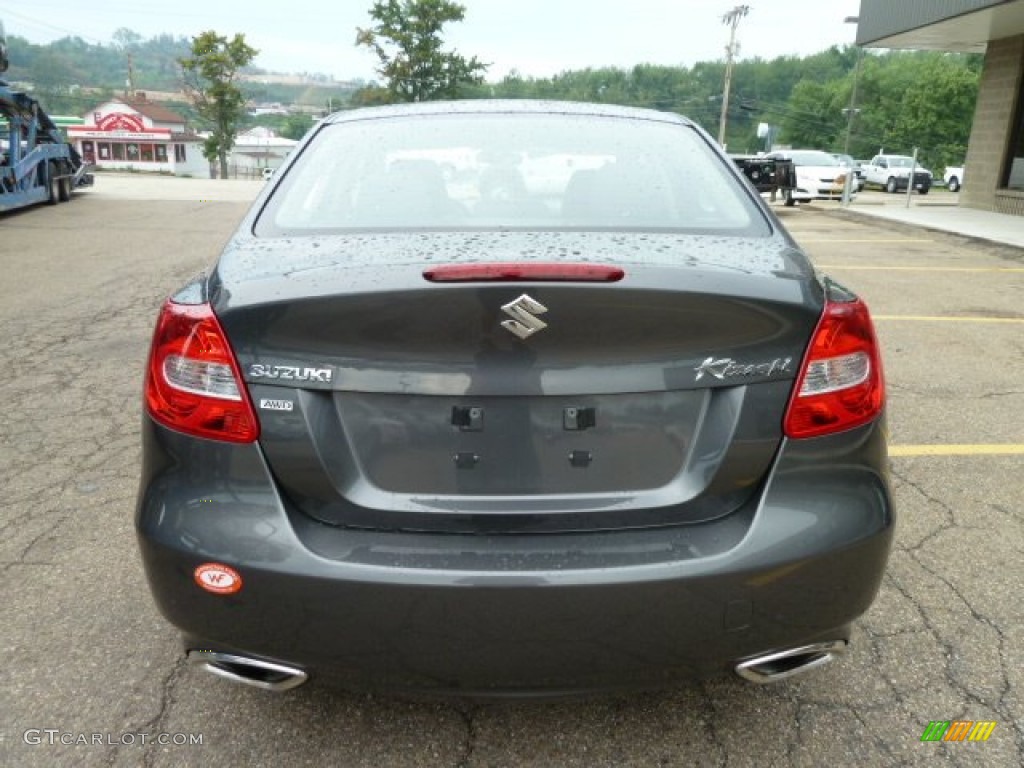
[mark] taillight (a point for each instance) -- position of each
(840, 384)
(193, 384)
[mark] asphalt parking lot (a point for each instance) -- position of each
(86, 657)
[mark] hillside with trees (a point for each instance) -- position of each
(904, 99)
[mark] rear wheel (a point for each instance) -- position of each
(954, 184)
(890, 185)
(790, 202)
(64, 189)
(923, 190)
(52, 184)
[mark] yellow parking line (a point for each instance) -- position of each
(860, 240)
(995, 449)
(921, 269)
(940, 319)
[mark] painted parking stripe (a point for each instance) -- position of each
(862, 268)
(859, 239)
(942, 319)
(996, 449)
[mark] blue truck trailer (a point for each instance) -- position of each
(37, 164)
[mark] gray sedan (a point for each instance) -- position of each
(512, 397)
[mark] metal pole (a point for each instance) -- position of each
(910, 179)
(853, 102)
(732, 18)
(852, 112)
(848, 188)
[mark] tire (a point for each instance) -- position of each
(890, 185)
(790, 202)
(52, 185)
(923, 190)
(954, 184)
(64, 189)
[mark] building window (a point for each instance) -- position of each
(161, 153)
(179, 153)
(118, 150)
(104, 149)
(1013, 175)
(132, 151)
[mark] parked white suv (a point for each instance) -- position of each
(892, 173)
(954, 178)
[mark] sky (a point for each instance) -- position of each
(537, 38)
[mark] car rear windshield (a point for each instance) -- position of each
(518, 171)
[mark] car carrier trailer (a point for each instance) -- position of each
(37, 164)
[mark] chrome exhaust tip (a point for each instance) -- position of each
(773, 667)
(267, 675)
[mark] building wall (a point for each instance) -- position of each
(194, 164)
(998, 94)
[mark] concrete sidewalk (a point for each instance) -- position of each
(970, 222)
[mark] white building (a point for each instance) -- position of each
(259, 148)
(135, 134)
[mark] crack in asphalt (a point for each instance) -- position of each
(947, 510)
(467, 713)
(710, 728)
(154, 725)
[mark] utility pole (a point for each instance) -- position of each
(852, 111)
(732, 19)
(130, 82)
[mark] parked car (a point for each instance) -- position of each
(819, 176)
(846, 161)
(954, 178)
(604, 428)
(892, 173)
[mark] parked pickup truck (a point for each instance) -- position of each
(954, 178)
(892, 173)
(767, 174)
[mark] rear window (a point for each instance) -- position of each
(519, 171)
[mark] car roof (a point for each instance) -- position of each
(506, 106)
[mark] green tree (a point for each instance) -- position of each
(407, 41)
(295, 126)
(210, 75)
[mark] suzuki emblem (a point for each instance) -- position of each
(524, 311)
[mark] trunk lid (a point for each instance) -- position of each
(387, 401)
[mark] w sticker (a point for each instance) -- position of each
(218, 578)
(958, 730)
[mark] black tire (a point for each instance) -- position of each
(923, 190)
(954, 184)
(890, 185)
(790, 202)
(64, 189)
(52, 184)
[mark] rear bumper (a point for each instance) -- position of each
(827, 192)
(516, 614)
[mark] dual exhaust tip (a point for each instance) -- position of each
(781, 665)
(267, 675)
(272, 676)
